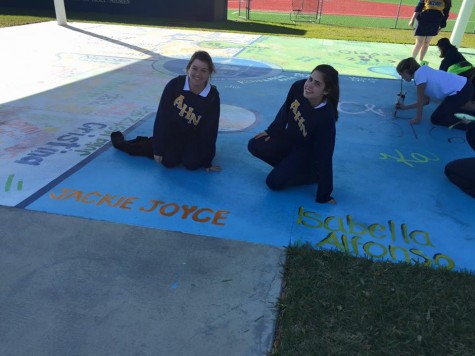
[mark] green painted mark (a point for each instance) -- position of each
(8, 184)
(20, 185)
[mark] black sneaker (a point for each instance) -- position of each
(117, 139)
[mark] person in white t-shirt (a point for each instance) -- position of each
(453, 91)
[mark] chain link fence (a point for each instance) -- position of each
(349, 13)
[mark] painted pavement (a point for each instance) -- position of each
(68, 87)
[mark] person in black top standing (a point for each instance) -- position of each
(299, 143)
(186, 124)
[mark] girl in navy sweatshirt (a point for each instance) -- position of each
(186, 123)
(299, 143)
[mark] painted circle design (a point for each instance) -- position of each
(235, 118)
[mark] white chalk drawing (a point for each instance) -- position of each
(356, 108)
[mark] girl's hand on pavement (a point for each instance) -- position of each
(416, 121)
(262, 134)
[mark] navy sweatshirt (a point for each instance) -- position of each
(312, 131)
(183, 115)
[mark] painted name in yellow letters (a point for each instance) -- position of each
(345, 234)
(415, 158)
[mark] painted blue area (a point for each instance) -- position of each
(394, 201)
(388, 70)
(226, 68)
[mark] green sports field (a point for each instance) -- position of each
(393, 18)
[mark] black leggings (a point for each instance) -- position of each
(177, 152)
(461, 172)
(292, 167)
(139, 146)
(444, 114)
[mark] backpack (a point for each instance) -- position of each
(434, 5)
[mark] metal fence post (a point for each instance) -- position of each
(398, 13)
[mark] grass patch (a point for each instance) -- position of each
(17, 17)
(336, 304)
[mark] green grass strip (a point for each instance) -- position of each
(336, 304)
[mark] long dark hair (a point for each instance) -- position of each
(332, 85)
(444, 46)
